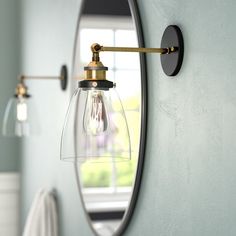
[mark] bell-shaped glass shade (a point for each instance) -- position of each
(16, 121)
(95, 128)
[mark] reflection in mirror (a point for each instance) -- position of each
(107, 188)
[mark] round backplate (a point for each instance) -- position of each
(171, 63)
(64, 75)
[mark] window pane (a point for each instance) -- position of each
(110, 75)
(128, 84)
(129, 60)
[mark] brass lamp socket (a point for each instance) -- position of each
(95, 71)
(21, 90)
(95, 77)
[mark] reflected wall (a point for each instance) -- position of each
(9, 68)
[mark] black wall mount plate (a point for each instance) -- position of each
(172, 37)
(64, 77)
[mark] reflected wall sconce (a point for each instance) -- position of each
(95, 110)
(16, 121)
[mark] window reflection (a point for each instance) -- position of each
(107, 186)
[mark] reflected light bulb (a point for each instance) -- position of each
(95, 119)
(21, 111)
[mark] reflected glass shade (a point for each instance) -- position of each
(95, 128)
(16, 121)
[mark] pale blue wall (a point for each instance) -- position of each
(9, 69)
(188, 185)
(48, 30)
(189, 178)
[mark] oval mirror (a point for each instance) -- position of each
(109, 190)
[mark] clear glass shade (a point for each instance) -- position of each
(95, 128)
(16, 120)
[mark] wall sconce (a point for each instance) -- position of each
(89, 131)
(16, 120)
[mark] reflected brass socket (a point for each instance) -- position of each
(21, 90)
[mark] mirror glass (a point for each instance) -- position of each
(108, 190)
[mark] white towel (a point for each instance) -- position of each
(42, 219)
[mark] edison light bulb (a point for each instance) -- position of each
(95, 116)
(21, 111)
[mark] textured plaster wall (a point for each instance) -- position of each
(189, 179)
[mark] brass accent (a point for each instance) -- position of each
(24, 77)
(96, 48)
(95, 70)
(21, 90)
(63, 78)
(95, 74)
(95, 64)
